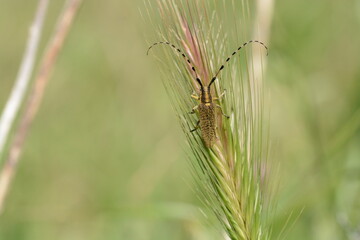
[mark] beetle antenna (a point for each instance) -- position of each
(182, 54)
(236, 51)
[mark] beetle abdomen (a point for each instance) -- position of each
(207, 119)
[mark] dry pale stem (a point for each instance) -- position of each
(262, 26)
(36, 95)
(23, 78)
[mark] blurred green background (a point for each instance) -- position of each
(104, 157)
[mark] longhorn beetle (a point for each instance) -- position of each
(206, 107)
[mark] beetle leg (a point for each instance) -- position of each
(221, 96)
(222, 111)
(193, 109)
(193, 95)
(196, 127)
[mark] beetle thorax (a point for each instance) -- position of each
(206, 96)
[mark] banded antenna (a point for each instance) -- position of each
(182, 54)
(236, 51)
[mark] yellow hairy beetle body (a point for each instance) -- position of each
(207, 114)
(207, 123)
